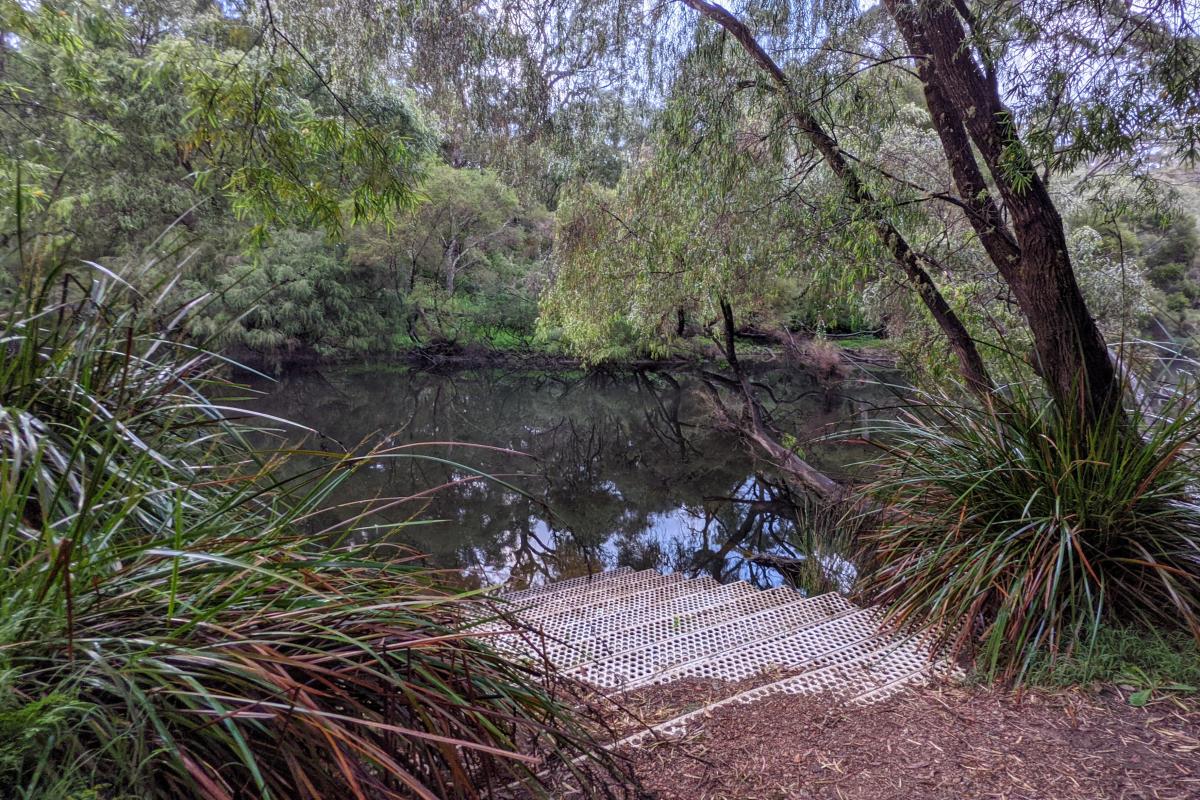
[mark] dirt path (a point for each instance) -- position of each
(950, 744)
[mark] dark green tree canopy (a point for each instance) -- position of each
(118, 124)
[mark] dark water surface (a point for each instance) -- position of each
(595, 470)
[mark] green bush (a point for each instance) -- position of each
(1015, 536)
(1168, 276)
(297, 297)
(166, 631)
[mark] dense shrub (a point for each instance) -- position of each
(166, 632)
(1014, 534)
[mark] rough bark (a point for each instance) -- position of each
(970, 363)
(450, 259)
(964, 100)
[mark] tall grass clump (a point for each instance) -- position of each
(165, 632)
(1016, 534)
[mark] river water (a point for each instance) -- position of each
(588, 471)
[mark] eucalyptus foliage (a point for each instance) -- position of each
(711, 212)
(113, 131)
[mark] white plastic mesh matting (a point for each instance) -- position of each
(574, 595)
(644, 618)
(625, 629)
(723, 642)
(641, 610)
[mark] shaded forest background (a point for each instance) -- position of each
(184, 141)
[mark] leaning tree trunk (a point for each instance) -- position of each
(1070, 352)
(963, 97)
(759, 431)
(961, 342)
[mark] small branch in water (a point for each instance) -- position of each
(754, 425)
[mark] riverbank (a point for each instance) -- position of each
(934, 743)
(691, 354)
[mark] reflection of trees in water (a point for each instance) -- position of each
(768, 534)
(758, 518)
(617, 469)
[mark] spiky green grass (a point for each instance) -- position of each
(1150, 665)
(1016, 535)
(165, 631)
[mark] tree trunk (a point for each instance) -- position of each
(450, 262)
(964, 100)
(970, 362)
(759, 432)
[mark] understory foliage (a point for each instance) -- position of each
(1148, 664)
(1013, 536)
(320, 220)
(167, 632)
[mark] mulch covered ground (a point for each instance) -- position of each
(930, 743)
(639, 709)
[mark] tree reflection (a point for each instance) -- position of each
(590, 471)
